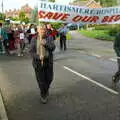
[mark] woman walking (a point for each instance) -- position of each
(43, 63)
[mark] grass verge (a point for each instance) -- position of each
(97, 34)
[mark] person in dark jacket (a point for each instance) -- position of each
(63, 32)
(44, 72)
(116, 77)
(30, 32)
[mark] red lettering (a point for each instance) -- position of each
(57, 16)
(117, 18)
(49, 15)
(41, 14)
(86, 19)
(94, 19)
(64, 17)
(111, 18)
(105, 19)
(77, 18)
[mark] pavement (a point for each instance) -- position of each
(81, 89)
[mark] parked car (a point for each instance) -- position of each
(74, 26)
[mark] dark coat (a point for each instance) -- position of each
(117, 44)
(49, 46)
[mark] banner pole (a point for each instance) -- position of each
(41, 30)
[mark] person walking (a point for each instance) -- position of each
(30, 32)
(116, 77)
(43, 67)
(3, 40)
(19, 40)
(62, 32)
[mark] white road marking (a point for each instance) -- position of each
(89, 79)
(3, 112)
(114, 60)
(96, 55)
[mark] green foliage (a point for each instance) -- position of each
(112, 29)
(14, 19)
(2, 16)
(56, 25)
(98, 34)
(34, 14)
(103, 27)
(68, 36)
(22, 17)
(107, 3)
(26, 20)
(51, 0)
(104, 3)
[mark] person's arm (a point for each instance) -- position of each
(50, 44)
(117, 45)
(32, 49)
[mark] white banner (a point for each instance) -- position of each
(52, 12)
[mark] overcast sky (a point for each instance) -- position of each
(11, 4)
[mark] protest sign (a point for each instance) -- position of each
(53, 12)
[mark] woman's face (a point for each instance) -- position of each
(32, 26)
(49, 26)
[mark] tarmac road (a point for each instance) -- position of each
(81, 89)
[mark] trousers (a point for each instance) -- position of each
(44, 75)
(117, 74)
(63, 42)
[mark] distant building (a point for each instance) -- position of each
(15, 13)
(87, 3)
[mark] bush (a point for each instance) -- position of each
(105, 37)
(103, 27)
(56, 25)
(98, 34)
(114, 31)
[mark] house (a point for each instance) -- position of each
(87, 3)
(15, 13)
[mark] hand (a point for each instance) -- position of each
(43, 42)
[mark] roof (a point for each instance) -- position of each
(87, 3)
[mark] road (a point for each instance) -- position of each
(81, 89)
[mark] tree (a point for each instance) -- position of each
(34, 14)
(104, 3)
(51, 0)
(2, 16)
(26, 20)
(107, 3)
(22, 16)
(14, 18)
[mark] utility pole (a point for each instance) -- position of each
(2, 5)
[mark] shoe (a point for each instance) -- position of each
(43, 100)
(19, 55)
(114, 81)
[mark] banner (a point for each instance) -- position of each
(52, 12)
